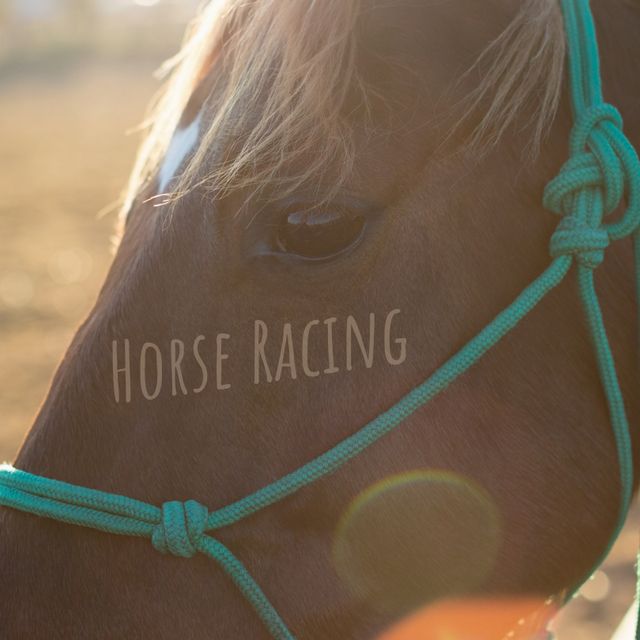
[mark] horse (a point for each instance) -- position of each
(332, 199)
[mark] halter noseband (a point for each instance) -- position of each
(602, 169)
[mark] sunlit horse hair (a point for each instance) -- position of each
(284, 70)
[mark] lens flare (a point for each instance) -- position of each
(417, 537)
(477, 619)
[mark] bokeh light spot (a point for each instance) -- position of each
(70, 266)
(16, 289)
(596, 588)
(416, 537)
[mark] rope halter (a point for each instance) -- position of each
(601, 169)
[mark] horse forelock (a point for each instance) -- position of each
(280, 82)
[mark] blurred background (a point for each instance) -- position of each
(75, 79)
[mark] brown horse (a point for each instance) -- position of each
(333, 198)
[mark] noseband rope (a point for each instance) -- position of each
(603, 169)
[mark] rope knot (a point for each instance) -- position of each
(594, 162)
(591, 185)
(574, 238)
(181, 528)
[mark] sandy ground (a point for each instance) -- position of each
(64, 157)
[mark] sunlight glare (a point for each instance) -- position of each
(475, 619)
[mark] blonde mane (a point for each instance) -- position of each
(284, 70)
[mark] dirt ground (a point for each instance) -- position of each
(63, 158)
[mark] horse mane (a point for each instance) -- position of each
(283, 72)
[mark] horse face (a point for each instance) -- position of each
(239, 335)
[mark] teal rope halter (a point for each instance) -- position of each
(602, 169)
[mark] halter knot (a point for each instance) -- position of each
(595, 162)
(591, 185)
(586, 243)
(181, 528)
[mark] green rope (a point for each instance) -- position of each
(602, 170)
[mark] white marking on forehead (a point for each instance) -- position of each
(182, 142)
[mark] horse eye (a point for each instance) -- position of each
(319, 234)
